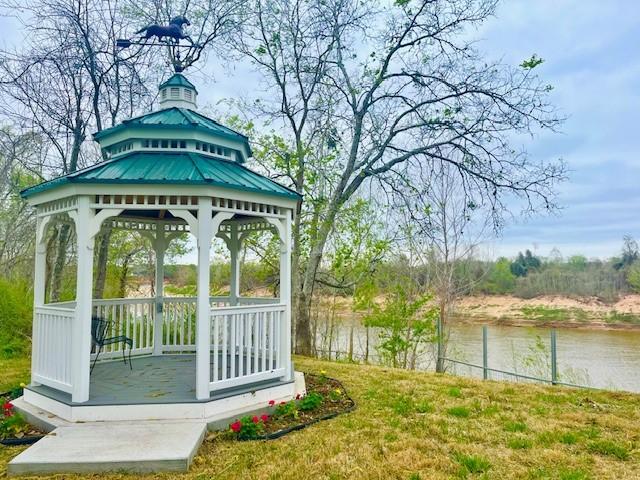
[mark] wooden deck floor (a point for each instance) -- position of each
(159, 379)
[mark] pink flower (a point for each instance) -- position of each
(264, 418)
(236, 426)
(255, 419)
(272, 403)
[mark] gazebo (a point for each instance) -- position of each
(169, 172)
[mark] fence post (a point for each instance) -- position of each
(554, 358)
(485, 352)
(439, 360)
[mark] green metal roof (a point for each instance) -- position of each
(184, 168)
(178, 80)
(175, 117)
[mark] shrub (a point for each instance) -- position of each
(287, 409)
(310, 402)
(16, 300)
(248, 428)
(12, 424)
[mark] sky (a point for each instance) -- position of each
(591, 52)
(592, 58)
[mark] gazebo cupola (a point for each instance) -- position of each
(170, 172)
(178, 92)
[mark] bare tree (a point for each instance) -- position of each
(69, 80)
(388, 88)
(66, 81)
(444, 226)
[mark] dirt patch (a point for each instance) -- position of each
(548, 310)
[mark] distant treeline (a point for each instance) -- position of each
(526, 276)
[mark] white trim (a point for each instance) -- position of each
(50, 382)
(238, 381)
(70, 190)
(249, 308)
(211, 411)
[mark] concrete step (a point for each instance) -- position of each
(96, 448)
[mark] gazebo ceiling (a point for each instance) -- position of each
(161, 168)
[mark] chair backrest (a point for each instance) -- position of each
(98, 329)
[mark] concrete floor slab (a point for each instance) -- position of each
(133, 447)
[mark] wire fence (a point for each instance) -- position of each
(484, 371)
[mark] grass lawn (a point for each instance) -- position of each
(412, 425)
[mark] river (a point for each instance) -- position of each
(598, 358)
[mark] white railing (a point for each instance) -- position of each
(179, 323)
(258, 301)
(53, 328)
(134, 318)
(245, 344)
(131, 317)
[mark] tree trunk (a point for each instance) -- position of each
(441, 343)
(101, 264)
(307, 282)
(351, 328)
(59, 263)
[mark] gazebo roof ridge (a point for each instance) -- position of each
(162, 118)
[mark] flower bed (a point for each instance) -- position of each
(325, 398)
(14, 429)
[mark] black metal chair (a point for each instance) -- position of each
(99, 329)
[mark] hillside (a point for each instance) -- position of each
(411, 425)
(552, 310)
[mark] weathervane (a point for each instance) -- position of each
(181, 55)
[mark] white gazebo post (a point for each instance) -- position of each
(234, 249)
(81, 340)
(39, 282)
(203, 328)
(283, 227)
(285, 291)
(159, 245)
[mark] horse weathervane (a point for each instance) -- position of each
(155, 35)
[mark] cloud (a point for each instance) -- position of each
(590, 52)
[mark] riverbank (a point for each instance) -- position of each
(550, 311)
(418, 425)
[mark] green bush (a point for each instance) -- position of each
(248, 428)
(16, 311)
(310, 402)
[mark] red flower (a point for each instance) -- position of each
(7, 408)
(298, 397)
(255, 419)
(264, 418)
(272, 403)
(236, 426)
